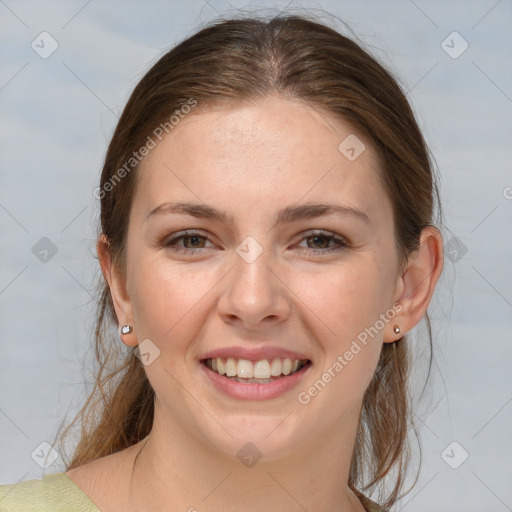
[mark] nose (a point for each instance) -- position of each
(254, 297)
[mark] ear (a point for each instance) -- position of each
(116, 280)
(416, 285)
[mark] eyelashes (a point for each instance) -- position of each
(195, 239)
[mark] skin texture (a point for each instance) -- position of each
(250, 162)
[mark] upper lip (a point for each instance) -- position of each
(254, 353)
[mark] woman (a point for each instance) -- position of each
(266, 243)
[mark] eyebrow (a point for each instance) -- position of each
(288, 214)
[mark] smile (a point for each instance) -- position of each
(258, 372)
(263, 379)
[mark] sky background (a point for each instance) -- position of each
(58, 113)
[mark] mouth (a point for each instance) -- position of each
(263, 371)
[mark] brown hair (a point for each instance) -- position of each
(230, 62)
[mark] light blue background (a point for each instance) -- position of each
(58, 115)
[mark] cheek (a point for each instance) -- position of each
(346, 304)
(168, 299)
(349, 354)
(345, 298)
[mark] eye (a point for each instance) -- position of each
(318, 243)
(192, 240)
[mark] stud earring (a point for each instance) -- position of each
(396, 329)
(126, 329)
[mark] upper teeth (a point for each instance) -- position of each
(244, 368)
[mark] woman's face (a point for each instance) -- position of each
(258, 277)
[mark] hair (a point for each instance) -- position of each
(231, 62)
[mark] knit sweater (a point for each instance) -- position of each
(58, 493)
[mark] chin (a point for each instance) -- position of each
(266, 438)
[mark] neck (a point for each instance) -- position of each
(175, 467)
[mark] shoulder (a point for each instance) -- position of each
(106, 480)
(371, 506)
(53, 493)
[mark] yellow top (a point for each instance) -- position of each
(58, 493)
(54, 493)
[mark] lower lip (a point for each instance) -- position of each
(242, 391)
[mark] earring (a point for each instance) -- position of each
(126, 329)
(396, 329)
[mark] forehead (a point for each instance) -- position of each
(259, 157)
